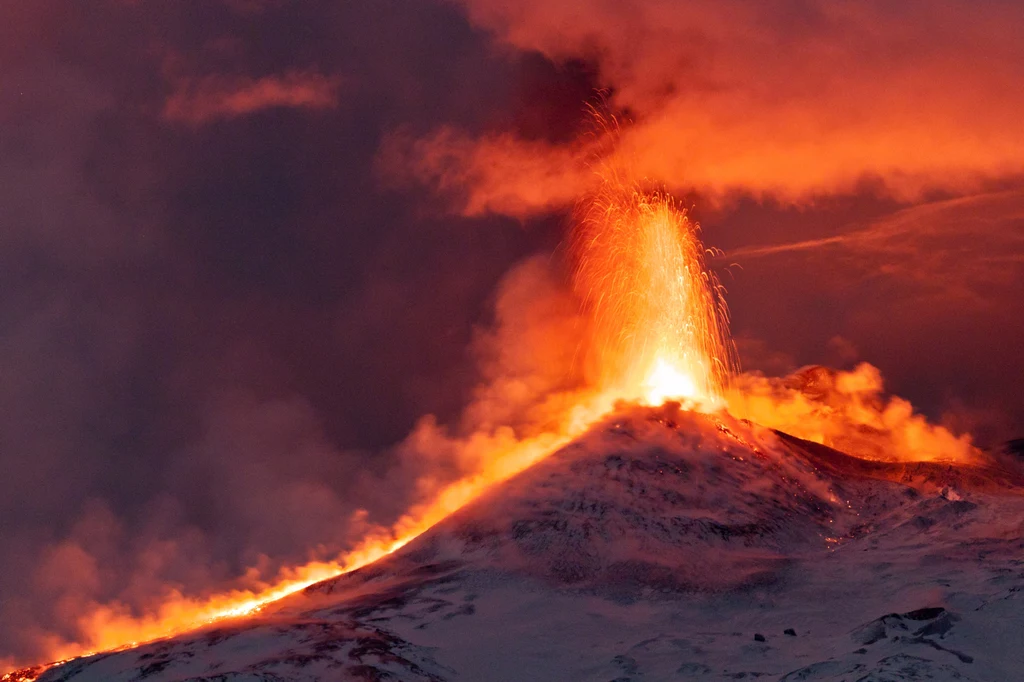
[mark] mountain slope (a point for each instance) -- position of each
(662, 545)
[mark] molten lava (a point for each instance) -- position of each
(659, 320)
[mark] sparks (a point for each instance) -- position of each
(660, 323)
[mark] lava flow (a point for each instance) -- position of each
(656, 330)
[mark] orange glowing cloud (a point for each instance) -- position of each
(196, 102)
(848, 411)
(789, 99)
(495, 174)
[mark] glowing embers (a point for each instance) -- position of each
(659, 322)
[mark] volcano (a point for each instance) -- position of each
(663, 544)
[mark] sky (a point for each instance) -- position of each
(246, 245)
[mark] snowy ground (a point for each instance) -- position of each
(664, 545)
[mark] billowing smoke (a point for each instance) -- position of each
(783, 99)
(848, 411)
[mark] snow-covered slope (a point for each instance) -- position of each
(663, 545)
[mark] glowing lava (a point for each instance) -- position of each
(110, 627)
(666, 382)
(659, 319)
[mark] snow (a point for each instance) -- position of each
(659, 547)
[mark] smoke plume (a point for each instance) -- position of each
(784, 99)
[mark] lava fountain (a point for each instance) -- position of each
(659, 320)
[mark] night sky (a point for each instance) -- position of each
(246, 244)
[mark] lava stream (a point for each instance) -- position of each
(657, 331)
